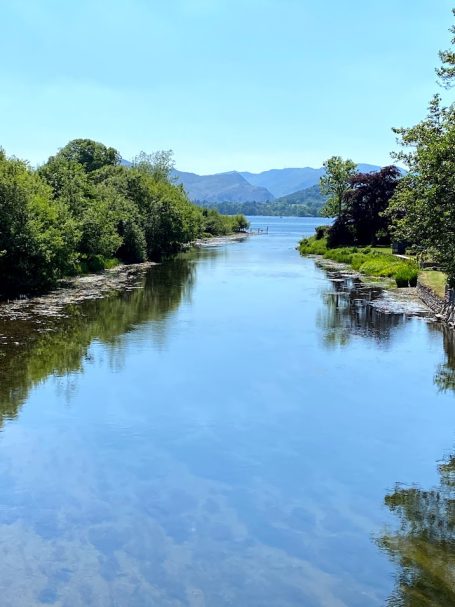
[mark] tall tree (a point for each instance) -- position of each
(159, 164)
(362, 220)
(38, 236)
(92, 155)
(423, 208)
(335, 182)
(446, 71)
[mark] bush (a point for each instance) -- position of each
(406, 275)
(321, 232)
(365, 260)
(312, 246)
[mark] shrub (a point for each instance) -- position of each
(312, 246)
(406, 275)
(321, 232)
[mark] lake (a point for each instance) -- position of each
(236, 429)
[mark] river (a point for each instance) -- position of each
(235, 429)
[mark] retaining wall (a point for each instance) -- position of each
(443, 308)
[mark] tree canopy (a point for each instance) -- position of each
(335, 182)
(82, 211)
(423, 208)
(362, 220)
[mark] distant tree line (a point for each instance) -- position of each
(305, 203)
(83, 211)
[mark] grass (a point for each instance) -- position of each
(382, 250)
(435, 280)
(367, 260)
(96, 263)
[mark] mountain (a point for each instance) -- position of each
(292, 186)
(311, 197)
(221, 187)
(281, 182)
(305, 203)
(285, 181)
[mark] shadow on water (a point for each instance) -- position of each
(34, 349)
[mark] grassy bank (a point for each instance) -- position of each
(434, 280)
(365, 260)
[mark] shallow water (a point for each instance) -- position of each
(241, 428)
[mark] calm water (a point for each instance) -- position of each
(236, 431)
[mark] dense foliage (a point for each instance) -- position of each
(83, 211)
(361, 220)
(335, 183)
(423, 208)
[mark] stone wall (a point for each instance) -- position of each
(444, 309)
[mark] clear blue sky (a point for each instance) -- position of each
(227, 84)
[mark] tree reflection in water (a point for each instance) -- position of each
(348, 312)
(445, 373)
(57, 346)
(424, 544)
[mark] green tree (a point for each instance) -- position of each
(158, 165)
(446, 72)
(335, 182)
(92, 155)
(69, 182)
(38, 236)
(170, 219)
(362, 220)
(423, 207)
(240, 223)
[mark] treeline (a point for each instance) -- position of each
(305, 203)
(415, 210)
(83, 211)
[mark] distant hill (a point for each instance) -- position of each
(282, 182)
(306, 203)
(221, 187)
(311, 196)
(291, 191)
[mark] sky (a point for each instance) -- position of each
(244, 85)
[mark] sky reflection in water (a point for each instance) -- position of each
(227, 434)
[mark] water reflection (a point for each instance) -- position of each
(33, 350)
(445, 373)
(349, 311)
(423, 546)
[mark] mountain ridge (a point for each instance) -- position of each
(243, 186)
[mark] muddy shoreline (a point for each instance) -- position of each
(75, 290)
(216, 241)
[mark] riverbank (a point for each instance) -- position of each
(366, 260)
(393, 300)
(216, 241)
(75, 290)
